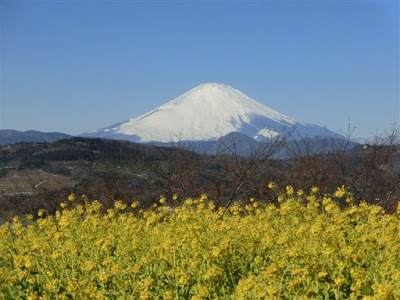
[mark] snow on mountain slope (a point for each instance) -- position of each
(207, 112)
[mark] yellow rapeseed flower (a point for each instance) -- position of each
(340, 192)
(162, 200)
(292, 250)
(119, 205)
(289, 190)
(314, 190)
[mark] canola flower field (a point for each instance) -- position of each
(305, 247)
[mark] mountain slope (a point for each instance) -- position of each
(208, 112)
(8, 137)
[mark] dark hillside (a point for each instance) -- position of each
(34, 175)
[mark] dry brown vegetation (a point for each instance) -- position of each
(39, 175)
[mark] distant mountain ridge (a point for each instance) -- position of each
(9, 137)
(209, 112)
(236, 143)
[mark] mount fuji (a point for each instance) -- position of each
(207, 113)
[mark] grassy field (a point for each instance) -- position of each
(306, 247)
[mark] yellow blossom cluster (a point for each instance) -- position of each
(305, 247)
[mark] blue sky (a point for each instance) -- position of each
(74, 66)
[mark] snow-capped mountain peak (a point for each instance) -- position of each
(206, 112)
